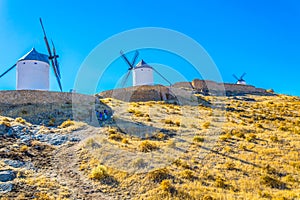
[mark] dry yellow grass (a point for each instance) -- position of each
(254, 155)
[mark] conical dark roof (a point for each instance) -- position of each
(34, 55)
(142, 63)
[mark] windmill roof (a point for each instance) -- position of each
(34, 55)
(142, 63)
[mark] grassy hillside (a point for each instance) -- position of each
(245, 147)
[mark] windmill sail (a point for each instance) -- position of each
(131, 66)
(8, 70)
(53, 58)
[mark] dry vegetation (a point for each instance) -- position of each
(256, 154)
(248, 150)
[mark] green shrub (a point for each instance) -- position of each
(98, 173)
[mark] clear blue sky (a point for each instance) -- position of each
(261, 38)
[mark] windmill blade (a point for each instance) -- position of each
(56, 75)
(125, 79)
(55, 56)
(8, 70)
(126, 60)
(162, 76)
(51, 57)
(243, 76)
(59, 83)
(235, 77)
(134, 58)
(46, 40)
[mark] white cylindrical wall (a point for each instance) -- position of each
(142, 76)
(32, 75)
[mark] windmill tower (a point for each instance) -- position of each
(142, 72)
(240, 81)
(33, 68)
(33, 71)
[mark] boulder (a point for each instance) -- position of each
(4, 129)
(7, 175)
(6, 187)
(14, 163)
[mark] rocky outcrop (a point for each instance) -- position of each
(7, 175)
(6, 187)
(207, 87)
(27, 134)
(50, 108)
(140, 93)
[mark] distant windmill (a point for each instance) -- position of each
(142, 72)
(240, 80)
(33, 68)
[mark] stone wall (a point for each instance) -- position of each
(50, 108)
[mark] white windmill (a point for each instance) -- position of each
(240, 81)
(33, 68)
(142, 72)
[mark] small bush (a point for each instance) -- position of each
(130, 110)
(206, 125)
(177, 123)
(20, 120)
(272, 182)
(166, 186)
(230, 165)
(258, 125)
(169, 122)
(138, 113)
(112, 131)
(198, 139)
(24, 148)
(115, 136)
(160, 136)
(5, 119)
(251, 137)
(187, 174)
(181, 163)
(51, 122)
(125, 141)
(5, 123)
(225, 137)
(274, 138)
(147, 146)
(219, 182)
(66, 124)
(159, 175)
(283, 128)
(99, 173)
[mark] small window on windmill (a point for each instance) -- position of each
(142, 70)
(35, 63)
(23, 63)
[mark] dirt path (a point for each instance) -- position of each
(66, 170)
